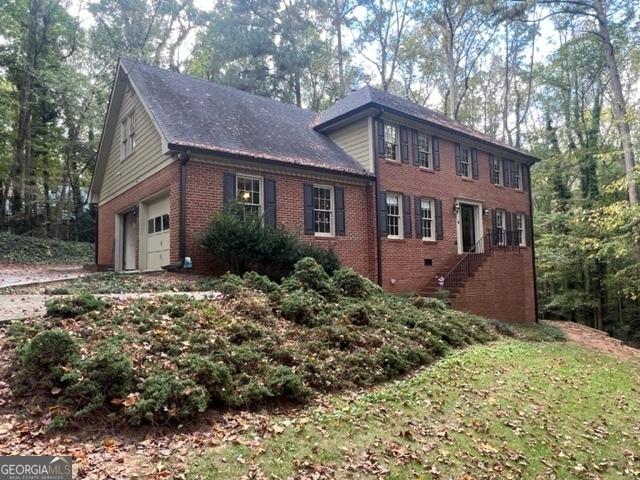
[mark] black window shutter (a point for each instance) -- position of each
(228, 187)
(439, 226)
(492, 162)
(525, 177)
(270, 202)
(436, 152)
(414, 147)
(406, 215)
(528, 227)
(418, 215)
(404, 145)
(340, 222)
(474, 164)
(506, 173)
(380, 138)
(382, 213)
(494, 229)
(308, 209)
(458, 159)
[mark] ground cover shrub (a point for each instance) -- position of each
(28, 249)
(67, 307)
(167, 359)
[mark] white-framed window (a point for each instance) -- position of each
(426, 213)
(501, 227)
(496, 171)
(323, 211)
(465, 162)
(249, 194)
(394, 215)
(158, 224)
(520, 229)
(128, 136)
(424, 150)
(517, 176)
(391, 142)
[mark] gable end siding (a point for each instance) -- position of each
(354, 140)
(146, 159)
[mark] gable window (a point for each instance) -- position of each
(424, 150)
(520, 229)
(501, 227)
(323, 211)
(517, 176)
(465, 162)
(427, 209)
(390, 142)
(496, 171)
(394, 215)
(249, 192)
(128, 136)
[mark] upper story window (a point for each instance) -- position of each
(520, 229)
(501, 227)
(323, 211)
(496, 171)
(426, 214)
(424, 151)
(394, 215)
(128, 136)
(517, 176)
(390, 142)
(465, 162)
(249, 192)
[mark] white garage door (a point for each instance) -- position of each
(158, 225)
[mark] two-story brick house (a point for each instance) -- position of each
(405, 196)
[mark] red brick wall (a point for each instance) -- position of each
(167, 178)
(204, 196)
(403, 260)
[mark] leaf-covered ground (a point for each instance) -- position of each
(505, 410)
(26, 249)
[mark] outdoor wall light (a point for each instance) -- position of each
(456, 208)
(485, 212)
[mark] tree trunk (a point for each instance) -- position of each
(338, 25)
(619, 102)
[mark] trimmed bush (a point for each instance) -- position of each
(351, 284)
(303, 307)
(308, 274)
(74, 306)
(48, 351)
(284, 383)
(243, 243)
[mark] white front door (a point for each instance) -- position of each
(130, 230)
(158, 236)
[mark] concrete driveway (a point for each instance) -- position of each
(15, 307)
(16, 275)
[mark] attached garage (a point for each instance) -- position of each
(156, 234)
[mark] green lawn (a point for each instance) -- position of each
(510, 409)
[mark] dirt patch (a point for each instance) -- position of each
(592, 338)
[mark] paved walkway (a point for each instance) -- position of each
(15, 307)
(16, 275)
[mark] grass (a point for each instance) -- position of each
(504, 410)
(35, 250)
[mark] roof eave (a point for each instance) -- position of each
(530, 159)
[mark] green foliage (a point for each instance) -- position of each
(431, 303)
(302, 307)
(48, 351)
(244, 243)
(26, 249)
(111, 369)
(165, 397)
(216, 377)
(284, 383)
(350, 284)
(74, 306)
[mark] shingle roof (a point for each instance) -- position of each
(202, 115)
(369, 96)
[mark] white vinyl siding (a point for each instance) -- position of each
(354, 140)
(146, 159)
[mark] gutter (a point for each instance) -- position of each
(184, 159)
(375, 200)
(533, 251)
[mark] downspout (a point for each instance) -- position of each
(376, 181)
(533, 249)
(184, 159)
